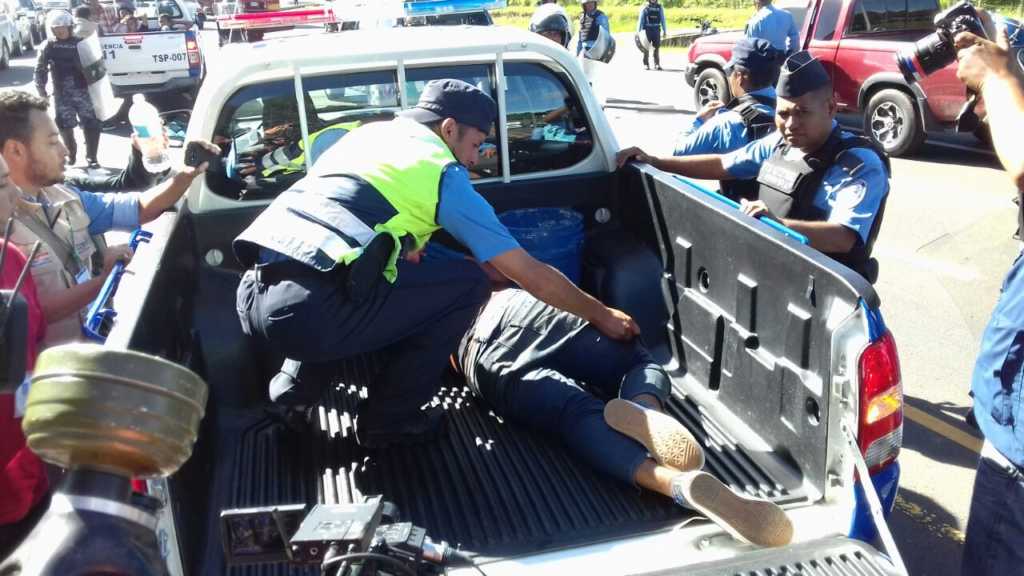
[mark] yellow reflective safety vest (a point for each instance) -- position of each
(292, 158)
(382, 178)
(57, 268)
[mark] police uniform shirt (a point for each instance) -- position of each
(777, 27)
(641, 24)
(850, 199)
(999, 371)
(724, 132)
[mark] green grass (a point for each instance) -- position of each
(623, 17)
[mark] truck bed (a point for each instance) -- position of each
(490, 487)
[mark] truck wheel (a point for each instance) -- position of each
(5, 56)
(711, 85)
(891, 120)
(16, 49)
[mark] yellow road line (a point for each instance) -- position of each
(943, 429)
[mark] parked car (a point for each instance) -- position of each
(24, 39)
(10, 42)
(857, 41)
(780, 359)
(36, 15)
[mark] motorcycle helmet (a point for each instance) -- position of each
(551, 18)
(59, 19)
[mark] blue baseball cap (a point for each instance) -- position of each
(756, 55)
(450, 98)
(802, 73)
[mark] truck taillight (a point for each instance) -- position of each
(139, 486)
(880, 431)
(192, 47)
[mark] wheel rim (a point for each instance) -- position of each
(887, 124)
(708, 91)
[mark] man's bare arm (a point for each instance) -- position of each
(827, 237)
(703, 166)
(64, 303)
(551, 287)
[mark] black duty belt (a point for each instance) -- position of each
(289, 269)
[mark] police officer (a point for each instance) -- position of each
(719, 128)
(334, 265)
(550, 21)
(652, 24)
(70, 89)
(774, 25)
(592, 21)
(824, 183)
(73, 263)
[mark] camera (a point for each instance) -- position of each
(936, 50)
(332, 536)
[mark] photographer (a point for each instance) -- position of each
(995, 531)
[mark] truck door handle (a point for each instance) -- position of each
(99, 312)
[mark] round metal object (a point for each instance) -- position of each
(115, 411)
(887, 123)
(214, 257)
(708, 91)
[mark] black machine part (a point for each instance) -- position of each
(196, 154)
(13, 341)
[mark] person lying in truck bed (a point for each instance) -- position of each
(550, 371)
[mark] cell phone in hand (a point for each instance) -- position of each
(196, 154)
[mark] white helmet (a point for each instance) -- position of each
(59, 18)
(582, 2)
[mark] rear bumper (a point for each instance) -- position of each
(887, 483)
(175, 85)
(690, 73)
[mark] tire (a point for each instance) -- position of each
(891, 120)
(710, 85)
(16, 49)
(5, 56)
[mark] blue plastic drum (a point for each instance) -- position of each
(552, 235)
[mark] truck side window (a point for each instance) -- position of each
(827, 19)
(883, 16)
(921, 14)
(479, 75)
(260, 132)
(547, 126)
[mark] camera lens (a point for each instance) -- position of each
(929, 54)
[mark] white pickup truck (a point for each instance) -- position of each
(781, 362)
(153, 60)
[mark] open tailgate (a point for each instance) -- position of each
(826, 557)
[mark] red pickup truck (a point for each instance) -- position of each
(857, 41)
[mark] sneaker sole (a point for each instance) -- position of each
(668, 441)
(753, 521)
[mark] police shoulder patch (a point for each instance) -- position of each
(850, 162)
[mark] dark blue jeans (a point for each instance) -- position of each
(419, 320)
(552, 372)
(995, 528)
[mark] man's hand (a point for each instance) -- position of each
(982, 59)
(708, 110)
(115, 254)
(616, 325)
(756, 209)
(633, 153)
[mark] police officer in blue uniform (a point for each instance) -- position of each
(719, 128)
(335, 271)
(814, 178)
(592, 21)
(774, 25)
(652, 24)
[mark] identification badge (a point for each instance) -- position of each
(83, 276)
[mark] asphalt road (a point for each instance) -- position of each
(944, 247)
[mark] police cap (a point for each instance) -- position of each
(756, 56)
(801, 73)
(450, 98)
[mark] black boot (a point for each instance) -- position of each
(68, 136)
(92, 146)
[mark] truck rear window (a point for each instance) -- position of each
(260, 134)
(891, 15)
